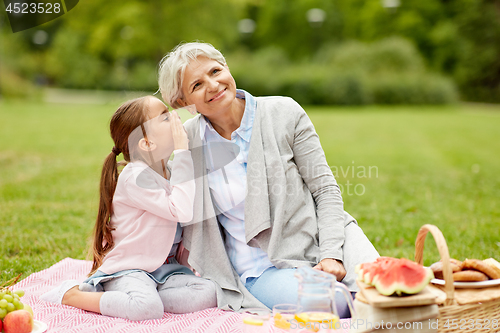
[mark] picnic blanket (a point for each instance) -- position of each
(67, 319)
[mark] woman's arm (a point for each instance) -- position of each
(317, 175)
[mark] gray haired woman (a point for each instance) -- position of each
(272, 208)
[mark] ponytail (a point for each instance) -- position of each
(124, 121)
(103, 239)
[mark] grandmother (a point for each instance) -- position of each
(276, 206)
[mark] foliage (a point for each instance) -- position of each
(117, 45)
(389, 71)
(414, 159)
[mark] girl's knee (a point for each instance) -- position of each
(145, 309)
(209, 294)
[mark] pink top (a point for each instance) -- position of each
(146, 209)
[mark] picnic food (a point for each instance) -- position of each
(493, 264)
(395, 276)
(470, 270)
(10, 301)
(469, 276)
(20, 321)
(481, 266)
(437, 267)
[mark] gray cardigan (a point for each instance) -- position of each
(293, 208)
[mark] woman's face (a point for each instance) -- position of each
(209, 85)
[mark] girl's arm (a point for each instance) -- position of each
(177, 205)
(152, 196)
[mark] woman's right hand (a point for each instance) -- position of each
(179, 134)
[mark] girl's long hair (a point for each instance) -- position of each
(128, 117)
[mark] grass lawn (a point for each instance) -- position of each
(399, 168)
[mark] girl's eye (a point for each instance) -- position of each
(167, 117)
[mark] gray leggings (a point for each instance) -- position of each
(136, 296)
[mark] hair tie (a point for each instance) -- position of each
(116, 151)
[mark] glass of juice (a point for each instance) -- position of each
(284, 315)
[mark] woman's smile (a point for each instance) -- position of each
(218, 96)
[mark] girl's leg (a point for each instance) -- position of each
(88, 301)
(69, 294)
(183, 293)
(278, 286)
(133, 296)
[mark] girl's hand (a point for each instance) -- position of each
(179, 134)
(332, 266)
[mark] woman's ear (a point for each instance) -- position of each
(181, 102)
(146, 145)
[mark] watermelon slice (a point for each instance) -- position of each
(368, 271)
(395, 276)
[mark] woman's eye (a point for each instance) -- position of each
(196, 86)
(215, 71)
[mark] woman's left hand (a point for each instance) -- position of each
(332, 266)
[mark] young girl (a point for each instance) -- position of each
(135, 273)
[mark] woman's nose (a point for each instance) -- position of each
(213, 84)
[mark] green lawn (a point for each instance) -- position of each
(412, 165)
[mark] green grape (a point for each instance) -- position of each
(3, 313)
(17, 303)
(8, 298)
(2, 294)
(19, 293)
(16, 296)
(3, 303)
(11, 307)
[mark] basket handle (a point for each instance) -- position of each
(443, 252)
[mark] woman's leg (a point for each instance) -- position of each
(274, 286)
(278, 286)
(357, 249)
(183, 293)
(133, 296)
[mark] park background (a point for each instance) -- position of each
(402, 94)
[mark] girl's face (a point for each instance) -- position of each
(209, 85)
(158, 129)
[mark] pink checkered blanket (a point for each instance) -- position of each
(66, 319)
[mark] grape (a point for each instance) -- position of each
(19, 293)
(8, 298)
(2, 294)
(17, 303)
(16, 296)
(3, 313)
(3, 303)
(11, 307)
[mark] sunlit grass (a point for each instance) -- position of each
(411, 165)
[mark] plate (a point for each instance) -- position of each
(482, 284)
(39, 326)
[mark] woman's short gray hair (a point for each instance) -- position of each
(173, 65)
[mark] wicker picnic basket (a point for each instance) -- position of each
(450, 311)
